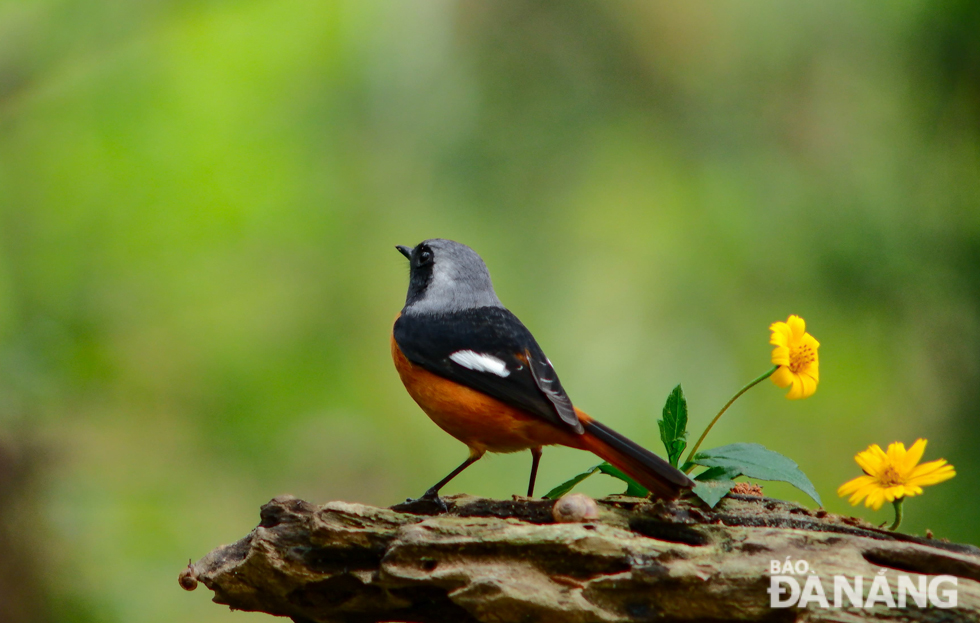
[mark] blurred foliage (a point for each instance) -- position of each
(199, 202)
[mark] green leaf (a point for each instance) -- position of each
(673, 426)
(755, 461)
(633, 488)
(712, 491)
(718, 473)
(568, 485)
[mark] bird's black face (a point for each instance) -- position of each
(421, 260)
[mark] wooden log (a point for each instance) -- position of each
(492, 560)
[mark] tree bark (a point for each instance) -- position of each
(489, 560)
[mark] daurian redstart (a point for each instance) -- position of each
(477, 371)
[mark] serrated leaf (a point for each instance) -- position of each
(568, 485)
(756, 461)
(633, 488)
(712, 491)
(673, 426)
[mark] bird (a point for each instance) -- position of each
(474, 368)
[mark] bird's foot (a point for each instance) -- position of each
(429, 504)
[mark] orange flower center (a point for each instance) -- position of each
(889, 477)
(800, 357)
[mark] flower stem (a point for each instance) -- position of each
(725, 408)
(898, 513)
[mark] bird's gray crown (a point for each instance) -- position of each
(447, 276)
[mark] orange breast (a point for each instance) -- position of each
(478, 420)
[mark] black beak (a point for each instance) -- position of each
(406, 251)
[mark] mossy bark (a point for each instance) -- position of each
(488, 560)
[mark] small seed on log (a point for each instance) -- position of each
(188, 578)
(575, 508)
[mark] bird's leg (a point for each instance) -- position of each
(430, 503)
(535, 460)
(433, 491)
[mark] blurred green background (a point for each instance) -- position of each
(199, 203)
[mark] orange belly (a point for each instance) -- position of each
(478, 420)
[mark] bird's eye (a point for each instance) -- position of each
(425, 256)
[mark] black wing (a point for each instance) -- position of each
(530, 383)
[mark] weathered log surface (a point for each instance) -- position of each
(489, 560)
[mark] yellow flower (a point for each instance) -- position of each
(893, 475)
(796, 356)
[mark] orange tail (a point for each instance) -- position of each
(648, 469)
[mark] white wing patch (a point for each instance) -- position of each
(480, 362)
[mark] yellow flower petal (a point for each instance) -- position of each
(809, 385)
(862, 493)
(780, 356)
(851, 486)
(878, 453)
(914, 455)
(875, 499)
(869, 461)
(928, 468)
(781, 328)
(813, 371)
(782, 377)
(934, 477)
(797, 326)
(796, 392)
(892, 493)
(896, 453)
